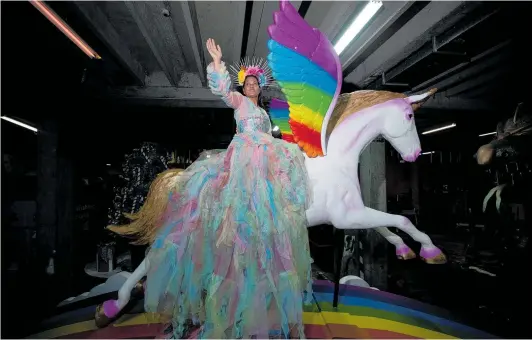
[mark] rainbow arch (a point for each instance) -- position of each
(362, 314)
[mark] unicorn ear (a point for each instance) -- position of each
(420, 97)
(518, 111)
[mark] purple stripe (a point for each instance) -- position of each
(278, 104)
(291, 31)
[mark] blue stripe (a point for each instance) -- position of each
(280, 113)
(361, 302)
(289, 66)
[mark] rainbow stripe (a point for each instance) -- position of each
(362, 313)
(306, 67)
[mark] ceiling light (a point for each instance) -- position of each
(428, 153)
(488, 134)
(63, 27)
(439, 129)
(14, 121)
(357, 25)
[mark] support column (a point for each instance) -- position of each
(372, 246)
(414, 184)
(46, 194)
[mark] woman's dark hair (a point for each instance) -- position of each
(260, 100)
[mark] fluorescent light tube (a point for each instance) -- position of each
(11, 120)
(63, 27)
(357, 25)
(439, 129)
(428, 153)
(487, 134)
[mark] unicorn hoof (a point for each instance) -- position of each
(405, 253)
(432, 256)
(106, 313)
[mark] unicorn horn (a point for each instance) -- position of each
(420, 99)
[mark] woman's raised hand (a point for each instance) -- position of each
(215, 51)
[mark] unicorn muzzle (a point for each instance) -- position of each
(413, 156)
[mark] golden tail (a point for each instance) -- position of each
(146, 222)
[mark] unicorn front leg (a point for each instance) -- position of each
(109, 310)
(371, 218)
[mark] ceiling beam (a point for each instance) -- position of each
(390, 13)
(482, 57)
(433, 47)
(101, 26)
(158, 31)
(431, 20)
(486, 78)
(477, 68)
(331, 17)
(188, 10)
(174, 97)
(261, 18)
(224, 22)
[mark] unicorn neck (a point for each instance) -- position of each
(351, 137)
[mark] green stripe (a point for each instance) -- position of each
(311, 308)
(307, 95)
(282, 124)
(382, 314)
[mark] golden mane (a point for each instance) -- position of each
(351, 103)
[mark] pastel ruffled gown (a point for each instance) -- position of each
(233, 252)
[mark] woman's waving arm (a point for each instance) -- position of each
(219, 80)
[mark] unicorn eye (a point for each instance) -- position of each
(409, 116)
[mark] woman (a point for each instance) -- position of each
(233, 252)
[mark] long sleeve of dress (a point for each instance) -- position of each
(220, 85)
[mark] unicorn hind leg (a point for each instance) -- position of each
(109, 310)
(402, 251)
(371, 218)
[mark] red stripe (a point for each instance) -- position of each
(288, 137)
(305, 134)
(382, 334)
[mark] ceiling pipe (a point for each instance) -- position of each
(436, 43)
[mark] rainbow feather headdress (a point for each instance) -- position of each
(256, 67)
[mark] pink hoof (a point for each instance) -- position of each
(432, 256)
(110, 308)
(404, 253)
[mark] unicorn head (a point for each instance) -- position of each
(361, 116)
(399, 127)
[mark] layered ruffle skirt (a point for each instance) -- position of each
(233, 253)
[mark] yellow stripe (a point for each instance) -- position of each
(306, 116)
(383, 324)
(309, 318)
(85, 326)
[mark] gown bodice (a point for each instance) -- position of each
(251, 118)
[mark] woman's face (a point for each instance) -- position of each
(251, 87)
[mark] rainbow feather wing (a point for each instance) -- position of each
(280, 116)
(308, 70)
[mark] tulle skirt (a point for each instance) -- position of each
(233, 253)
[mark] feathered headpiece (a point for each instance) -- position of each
(256, 67)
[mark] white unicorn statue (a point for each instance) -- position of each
(331, 129)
